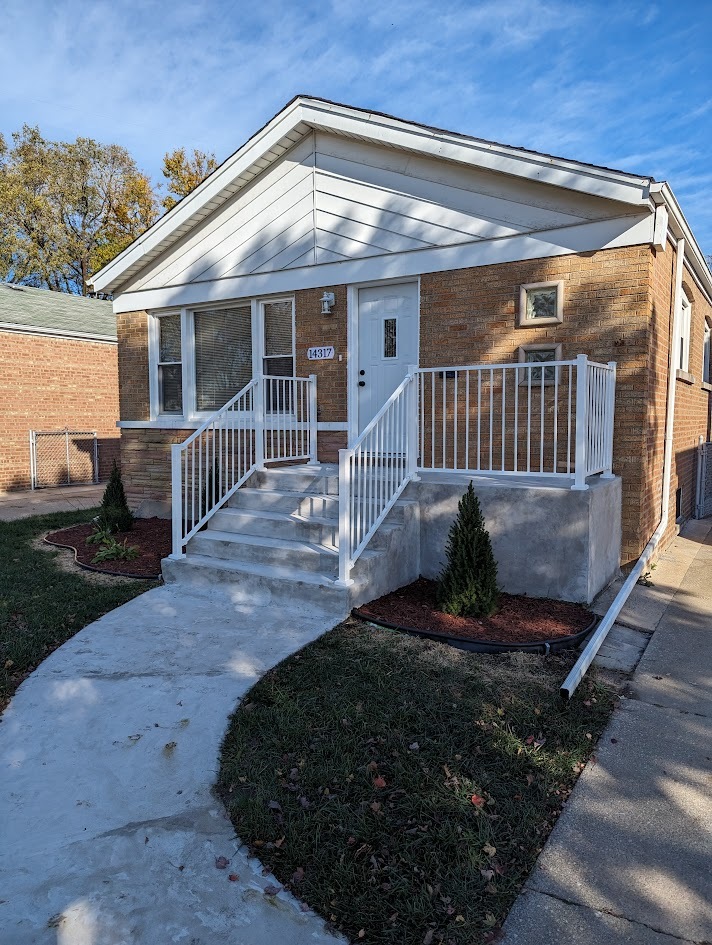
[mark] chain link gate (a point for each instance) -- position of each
(704, 480)
(63, 457)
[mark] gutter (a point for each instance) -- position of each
(594, 644)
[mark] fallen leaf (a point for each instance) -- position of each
(275, 805)
(221, 862)
(614, 741)
(489, 850)
(379, 782)
(487, 874)
(362, 933)
(233, 877)
(278, 843)
(271, 890)
(298, 875)
(530, 779)
(490, 921)
(414, 747)
(477, 800)
(428, 937)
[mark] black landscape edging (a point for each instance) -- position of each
(484, 646)
(96, 570)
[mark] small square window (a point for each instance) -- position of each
(538, 354)
(541, 303)
(389, 338)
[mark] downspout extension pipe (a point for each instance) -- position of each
(594, 644)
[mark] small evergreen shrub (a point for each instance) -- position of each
(468, 583)
(115, 514)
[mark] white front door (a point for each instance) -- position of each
(387, 343)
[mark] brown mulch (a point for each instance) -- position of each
(152, 536)
(519, 619)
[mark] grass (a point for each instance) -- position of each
(41, 605)
(401, 788)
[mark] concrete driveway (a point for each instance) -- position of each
(109, 831)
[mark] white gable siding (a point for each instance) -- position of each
(331, 199)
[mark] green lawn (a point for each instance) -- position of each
(41, 605)
(401, 788)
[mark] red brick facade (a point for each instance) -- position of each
(617, 307)
(49, 383)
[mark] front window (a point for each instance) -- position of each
(170, 365)
(278, 360)
(707, 355)
(223, 354)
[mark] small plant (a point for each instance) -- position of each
(468, 584)
(100, 534)
(115, 514)
(113, 550)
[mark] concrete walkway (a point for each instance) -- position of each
(630, 859)
(15, 505)
(109, 831)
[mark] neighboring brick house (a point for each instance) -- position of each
(58, 369)
(395, 244)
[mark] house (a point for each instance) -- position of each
(58, 372)
(422, 308)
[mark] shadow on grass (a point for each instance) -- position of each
(42, 605)
(401, 788)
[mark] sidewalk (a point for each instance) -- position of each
(15, 505)
(630, 859)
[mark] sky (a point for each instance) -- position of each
(627, 85)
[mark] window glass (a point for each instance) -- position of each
(389, 338)
(223, 355)
(707, 355)
(541, 303)
(170, 368)
(539, 355)
(684, 336)
(279, 354)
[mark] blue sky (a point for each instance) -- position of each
(627, 85)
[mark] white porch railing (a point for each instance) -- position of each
(272, 419)
(543, 419)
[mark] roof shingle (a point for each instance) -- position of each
(55, 312)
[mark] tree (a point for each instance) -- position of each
(115, 514)
(185, 173)
(468, 584)
(67, 208)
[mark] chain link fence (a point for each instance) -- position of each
(63, 457)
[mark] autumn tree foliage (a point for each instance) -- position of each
(184, 173)
(67, 208)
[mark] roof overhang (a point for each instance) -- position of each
(305, 114)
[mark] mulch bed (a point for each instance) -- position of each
(152, 536)
(519, 619)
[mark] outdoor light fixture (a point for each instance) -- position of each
(327, 301)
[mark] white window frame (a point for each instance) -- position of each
(682, 342)
(524, 321)
(522, 358)
(707, 354)
(187, 334)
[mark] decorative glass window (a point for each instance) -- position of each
(541, 303)
(170, 365)
(683, 339)
(389, 338)
(707, 355)
(278, 360)
(223, 354)
(538, 354)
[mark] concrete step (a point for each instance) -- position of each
(258, 583)
(318, 530)
(298, 555)
(274, 500)
(301, 479)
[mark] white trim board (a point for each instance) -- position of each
(586, 237)
(180, 423)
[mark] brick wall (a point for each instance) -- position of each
(49, 384)
(470, 316)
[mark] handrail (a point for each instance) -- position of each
(216, 459)
(374, 470)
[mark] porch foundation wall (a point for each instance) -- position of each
(549, 541)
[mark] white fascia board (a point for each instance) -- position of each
(58, 333)
(211, 188)
(586, 237)
(572, 175)
(662, 193)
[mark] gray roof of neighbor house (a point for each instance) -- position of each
(55, 313)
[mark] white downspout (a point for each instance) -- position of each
(592, 647)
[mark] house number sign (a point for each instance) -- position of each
(323, 353)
